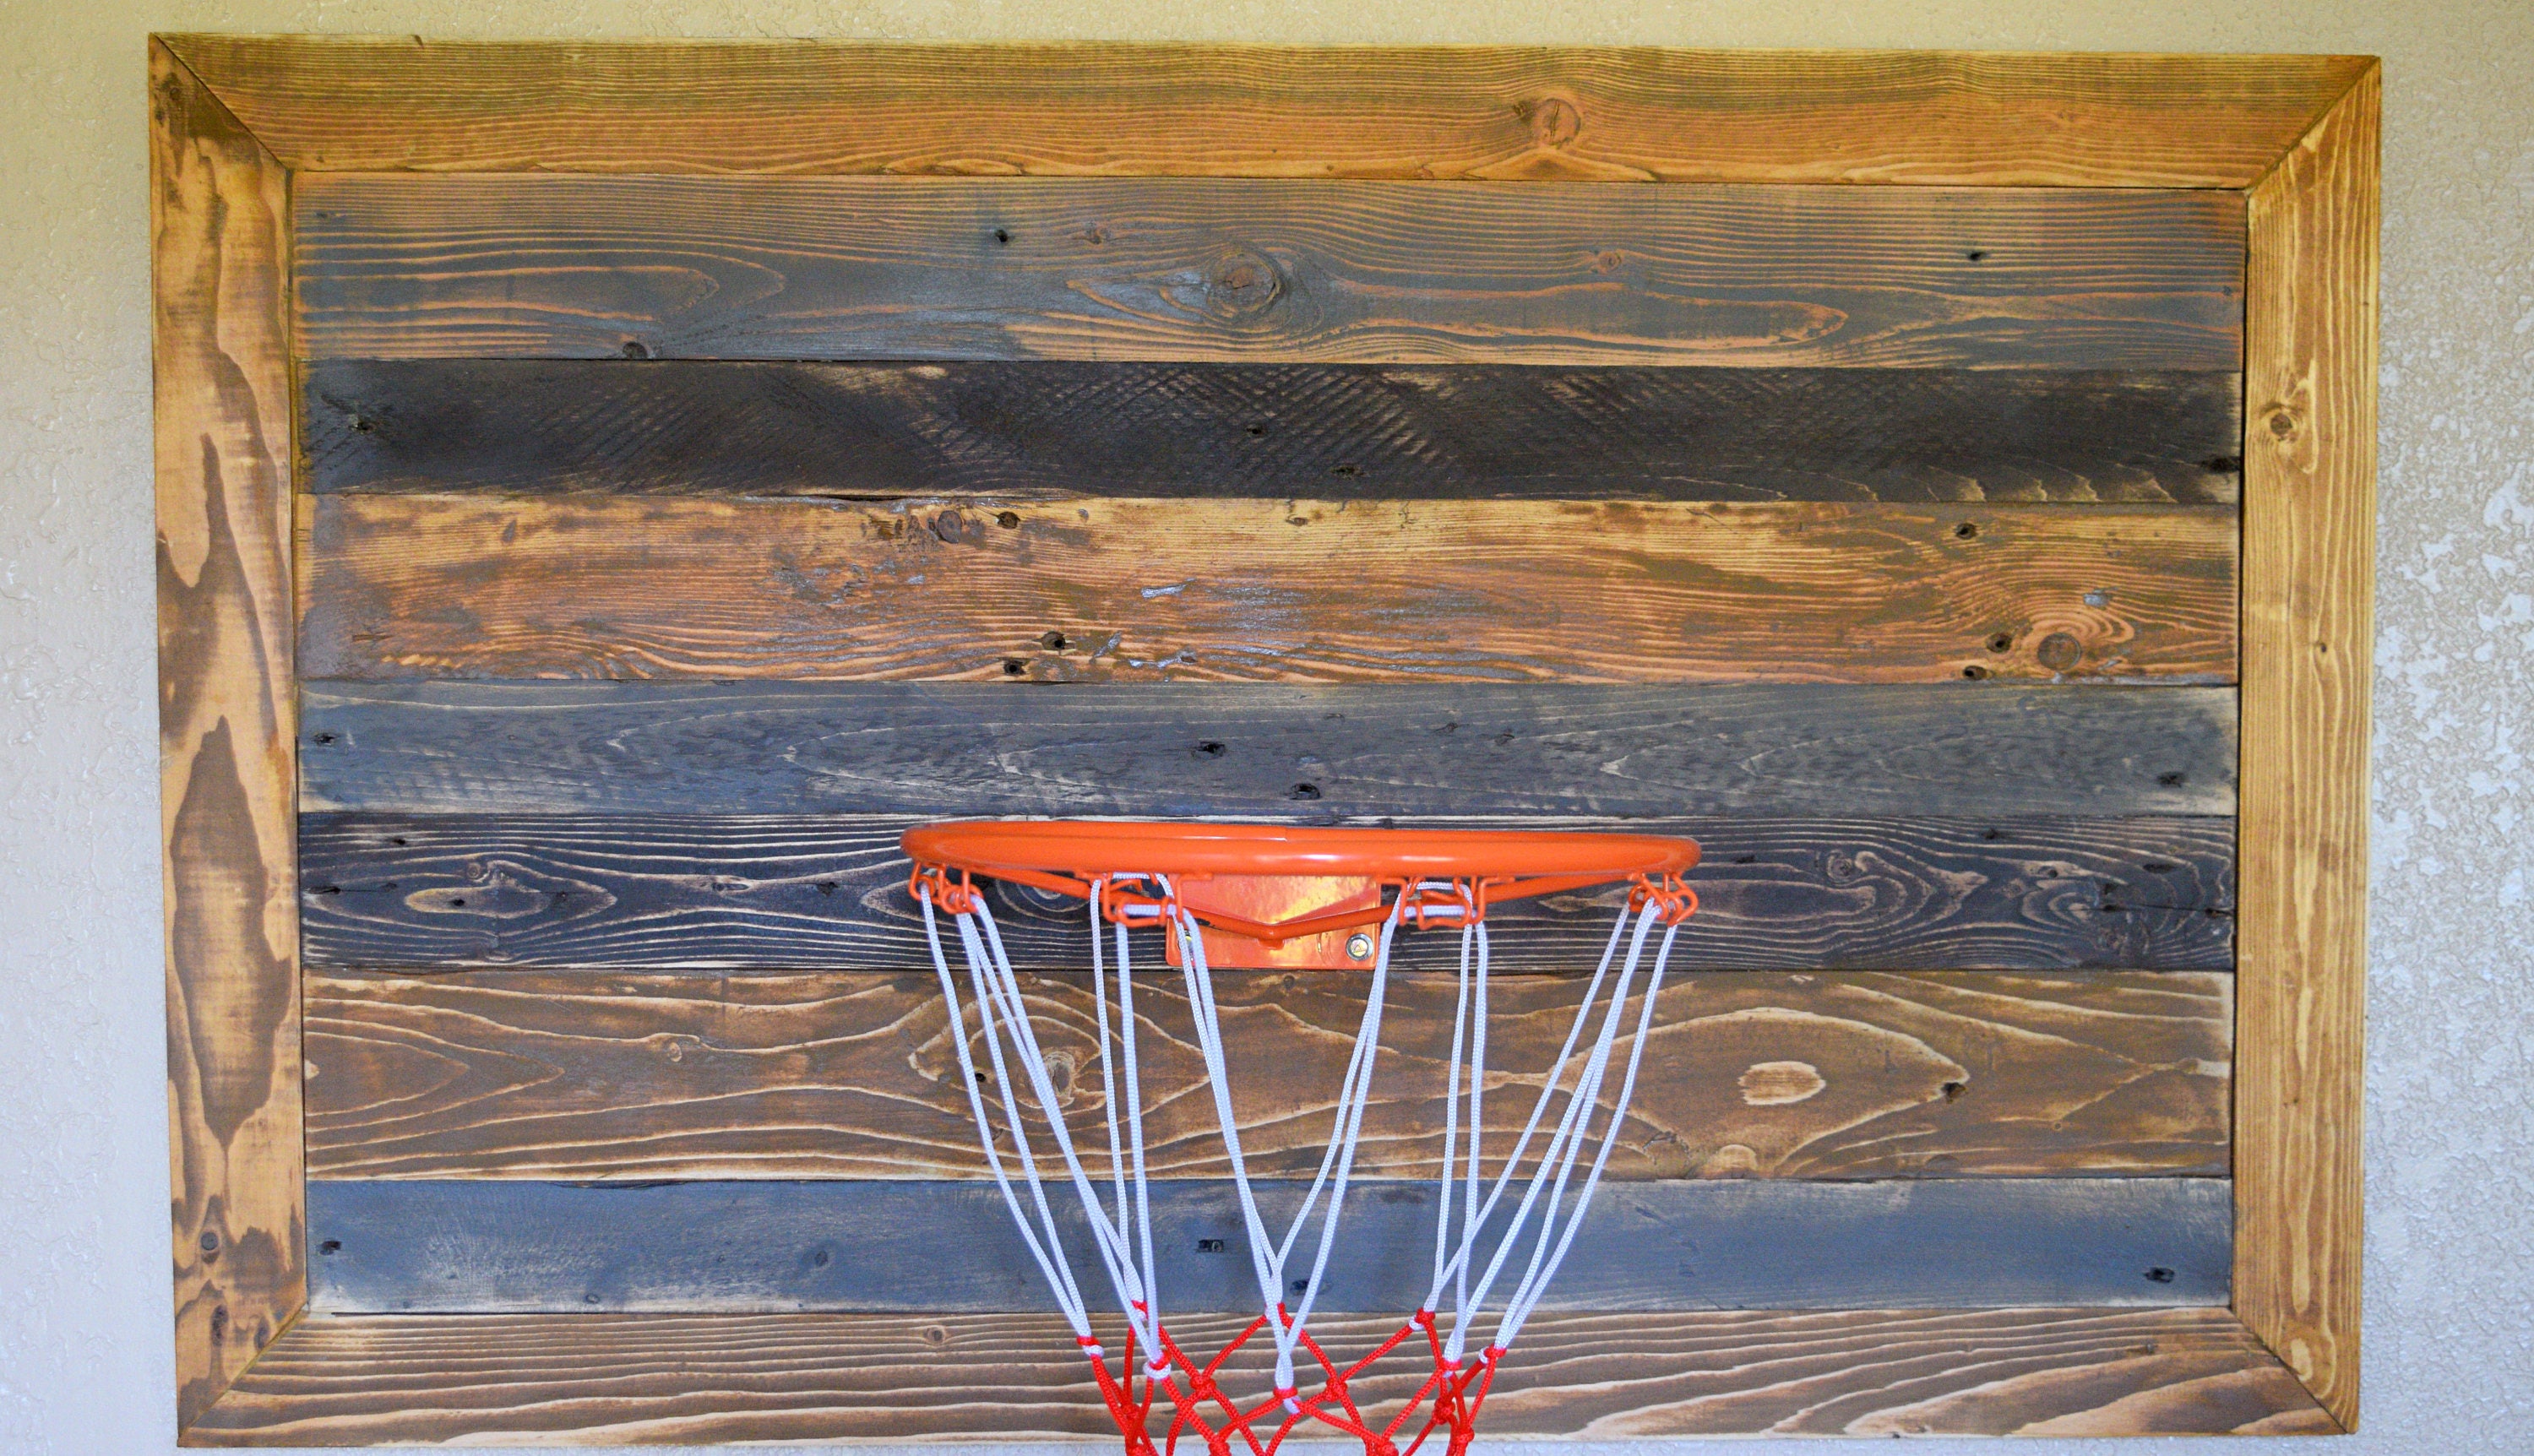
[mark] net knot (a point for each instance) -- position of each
(1138, 900)
(1672, 899)
(1429, 903)
(934, 882)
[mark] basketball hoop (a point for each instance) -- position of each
(1203, 887)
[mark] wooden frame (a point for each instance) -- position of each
(236, 119)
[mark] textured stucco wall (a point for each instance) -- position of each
(83, 1343)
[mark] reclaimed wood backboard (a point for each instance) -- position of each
(609, 492)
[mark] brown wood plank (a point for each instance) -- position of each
(2309, 549)
(591, 1074)
(874, 268)
(603, 586)
(676, 427)
(828, 893)
(606, 1379)
(219, 219)
(345, 103)
(877, 1246)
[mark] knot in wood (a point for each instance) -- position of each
(1242, 284)
(1554, 121)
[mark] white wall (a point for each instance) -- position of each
(84, 1363)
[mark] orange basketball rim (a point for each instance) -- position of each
(1269, 894)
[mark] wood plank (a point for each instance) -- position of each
(515, 1247)
(513, 426)
(218, 215)
(603, 586)
(595, 1074)
(2310, 552)
(828, 893)
(605, 1379)
(1640, 114)
(393, 265)
(1196, 750)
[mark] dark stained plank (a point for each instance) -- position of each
(1125, 589)
(514, 1247)
(599, 1074)
(392, 265)
(828, 893)
(1192, 749)
(347, 103)
(513, 426)
(219, 349)
(2310, 528)
(610, 1378)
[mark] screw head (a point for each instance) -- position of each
(1359, 945)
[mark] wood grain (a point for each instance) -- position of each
(2309, 549)
(828, 893)
(513, 426)
(595, 1074)
(454, 586)
(510, 1247)
(602, 1379)
(1197, 750)
(1640, 114)
(875, 268)
(221, 399)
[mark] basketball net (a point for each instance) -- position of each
(1155, 1382)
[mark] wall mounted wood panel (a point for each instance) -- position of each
(443, 586)
(1300, 436)
(589, 1075)
(848, 268)
(513, 426)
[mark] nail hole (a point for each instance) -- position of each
(1002, 235)
(2001, 642)
(633, 349)
(1974, 672)
(1013, 667)
(320, 738)
(1209, 1246)
(1954, 1091)
(826, 886)
(1965, 531)
(1304, 792)
(1257, 431)
(1053, 641)
(1008, 519)
(1211, 748)
(330, 1246)
(1347, 470)
(818, 1260)
(2173, 780)
(1975, 255)
(2159, 1275)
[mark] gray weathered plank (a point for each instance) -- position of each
(1182, 751)
(394, 264)
(829, 894)
(1193, 429)
(950, 1247)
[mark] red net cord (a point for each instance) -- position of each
(1198, 1409)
